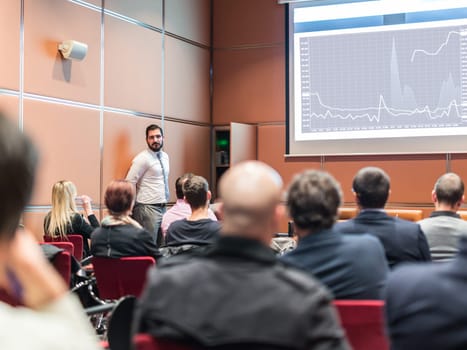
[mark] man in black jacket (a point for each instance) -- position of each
(236, 295)
(402, 240)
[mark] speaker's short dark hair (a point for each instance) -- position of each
(18, 161)
(313, 199)
(154, 127)
(371, 185)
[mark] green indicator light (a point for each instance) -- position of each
(222, 142)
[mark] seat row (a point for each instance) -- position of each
(406, 214)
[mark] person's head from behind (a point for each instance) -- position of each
(313, 198)
(250, 201)
(196, 191)
(18, 161)
(449, 191)
(371, 188)
(63, 196)
(119, 197)
(155, 137)
(179, 184)
(63, 208)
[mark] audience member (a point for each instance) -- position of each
(444, 227)
(52, 318)
(425, 305)
(402, 240)
(198, 228)
(236, 295)
(120, 235)
(149, 173)
(64, 218)
(181, 209)
(351, 266)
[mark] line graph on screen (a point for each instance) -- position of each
(371, 84)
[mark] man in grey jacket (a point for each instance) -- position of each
(444, 227)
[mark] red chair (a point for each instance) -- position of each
(145, 341)
(67, 246)
(120, 277)
(62, 263)
(77, 241)
(363, 322)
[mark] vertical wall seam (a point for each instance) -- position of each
(21, 68)
(101, 109)
(163, 66)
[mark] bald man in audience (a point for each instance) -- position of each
(236, 295)
(351, 266)
(51, 318)
(402, 240)
(444, 227)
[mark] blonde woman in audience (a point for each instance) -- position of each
(64, 218)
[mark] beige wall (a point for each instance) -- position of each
(88, 117)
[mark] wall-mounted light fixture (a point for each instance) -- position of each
(72, 49)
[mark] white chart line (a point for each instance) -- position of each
(439, 49)
(433, 114)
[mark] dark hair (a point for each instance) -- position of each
(179, 184)
(195, 189)
(18, 161)
(154, 127)
(119, 196)
(313, 198)
(449, 189)
(371, 185)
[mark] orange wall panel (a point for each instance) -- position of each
(187, 81)
(189, 148)
(412, 176)
(189, 19)
(68, 141)
(132, 67)
(240, 22)
(34, 222)
(47, 23)
(146, 11)
(459, 166)
(9, 107)
(271, 150)
(249, 85)
(9, 41)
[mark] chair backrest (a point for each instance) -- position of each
(363, 322)
(120, 277)
(143, 341)
(76, 239)
(62, 263)
(347, 213)
(62, 260)
(67, 246)
(406, 214)
(463, 214)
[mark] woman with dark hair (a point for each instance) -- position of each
(119, 235)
